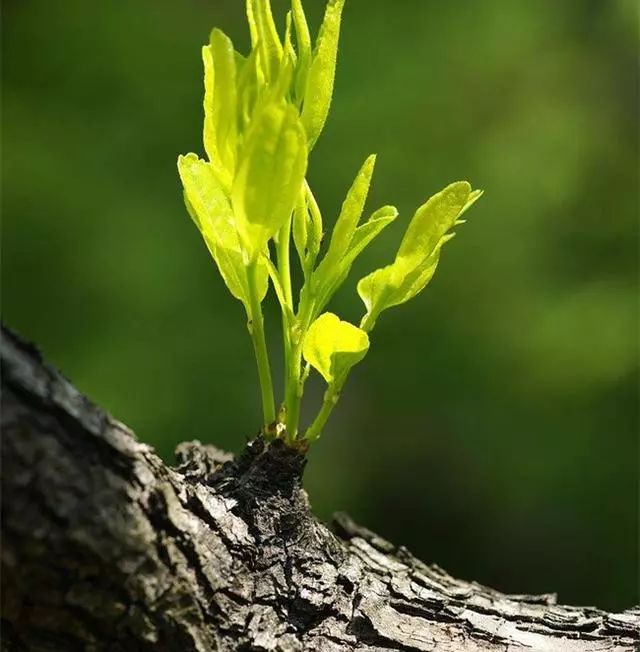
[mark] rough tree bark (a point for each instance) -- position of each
(107, 548)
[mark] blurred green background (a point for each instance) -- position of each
(493, 427)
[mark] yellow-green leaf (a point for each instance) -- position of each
(346, 223)
(321, 75)
(264, 36)
(303, 39)
(332, 347)
(433, 219)
(221, 101)
(301, 226)
(210, 209)
(248, 87)
(271, 170)
(366, 232)
(351, 211)
(329, 277)
(419, 252)
(209, 135)
(288, 49)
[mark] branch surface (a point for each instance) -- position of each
(107, 548)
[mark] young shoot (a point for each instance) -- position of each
(263, 113)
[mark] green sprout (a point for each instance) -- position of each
(263, 113)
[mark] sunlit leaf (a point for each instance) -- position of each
(220, 101)
(288, 49)
(332, 347)
(368, 231)
(210, 209)
(270, 174)
(347, 221)
(264, 36)
(301, 226)
(321, 75)
(351, 211)
(337, 260)
(419, 252)
(303, 39)
(248, 87)
(316, 232)
(433, 219)
(333, 276)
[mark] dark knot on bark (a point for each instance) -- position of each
(268, 466)
(264, 482)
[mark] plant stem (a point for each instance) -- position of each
(293, 393)
(329, 401)
(284, 270)
(294, 387)
(367, 323)
(256, 329)
(284, 273)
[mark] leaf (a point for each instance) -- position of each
(211, 211)
(332, 347)
(209, 135)
(336, 263)
(301, 224)
(419, 252)
(473, 198)
(420, 276)
(271, 170)
(264, 36)
(303, 39)
(351, 211)
(433, 219)
(247, 88)
(321, 76)
(368, 231)
(347, 221)
(221, 110)
(288, 49)
(362, 237)
(316, 231)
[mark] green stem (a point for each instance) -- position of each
(284, 273)
(331, 397)
(295, 384)
(367, 323)
(284, 270)
(293, 393)
(256, 329)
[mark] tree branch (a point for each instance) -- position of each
(107, 548)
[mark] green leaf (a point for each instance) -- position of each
(210, 137)
(264, 36)
(433, 219)
(301, 227)
(319, 84)
(351, 211)
(303, 39)
(368, 231)
(210, 209)
(332, 347)
(336, 263)
(271, 170)
(220, 102)
(209, 133)
(419, 252)
(248, 88)
(288, 49)
(316, 232)
(335, 275)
